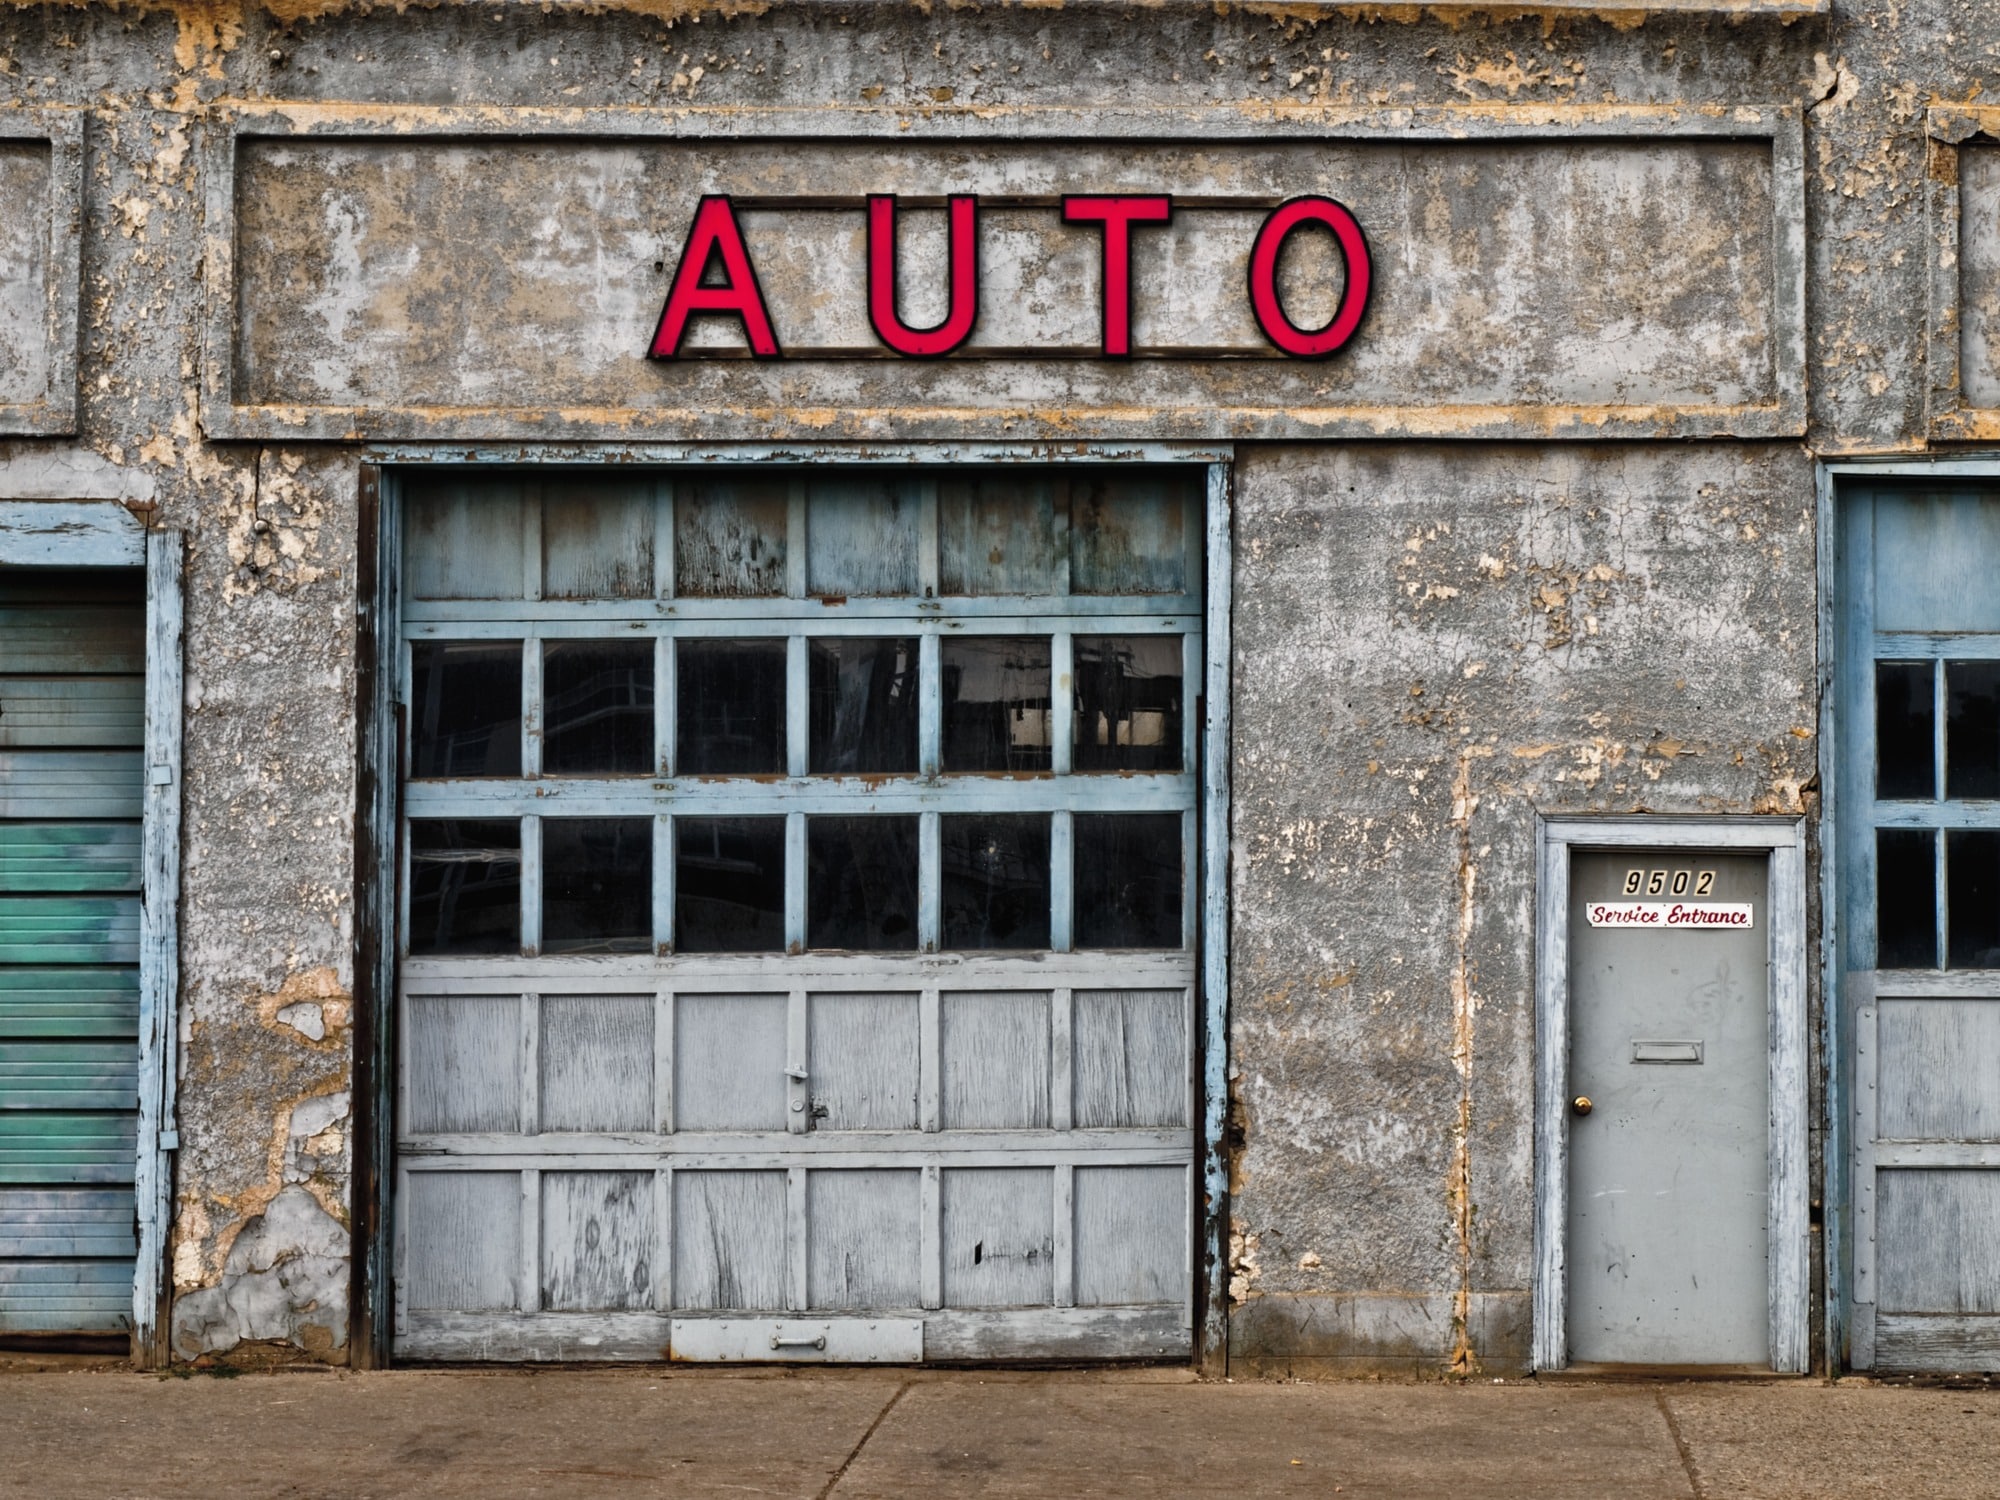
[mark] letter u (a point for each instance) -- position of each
(963, 253)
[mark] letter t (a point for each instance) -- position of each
(1118, 215)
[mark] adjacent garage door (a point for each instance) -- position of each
(798, 914)
(72, 725)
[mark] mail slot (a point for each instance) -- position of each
(1666, 1052)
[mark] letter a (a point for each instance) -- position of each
(940, 338)
(714, 233)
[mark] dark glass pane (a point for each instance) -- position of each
(861, 883)
(465, 885)
(1128, 703)
(465, 708)
(1972, 907)
(995, 880)
(1905, 730)
(996, 703)
(1126, 531)
(597, 885)
(729, 885)
(730, 707)
(1971, 730)
(864, 706)
(1128, 880)
(597, 708)
(1905, 898)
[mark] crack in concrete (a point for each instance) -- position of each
(854, 1453)
(1695, 1486)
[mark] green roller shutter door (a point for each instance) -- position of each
(72, 688)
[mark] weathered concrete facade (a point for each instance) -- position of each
(1467, 589)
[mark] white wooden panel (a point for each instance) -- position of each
(597, 538)
(44, 712)
(1132, 1235)
(68, 784)
(861, 534)
(1958, 1343)
(862, 1236)
(729, 1240)
(730, 536)
(70, 534)
(862, 1061)
(463, 1055)
(597, 1241)
(597, 1062)
(72, 1222)
(998, 1241)
(729, 1062)
(1131, 1058)
(994, 1060)
(64, 638)
(463, 1234)
(1937, 1233)
(464, 540)
(1938, 1070)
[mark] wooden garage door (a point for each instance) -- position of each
(799, 914)
(72, 706)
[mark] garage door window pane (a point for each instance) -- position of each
(465, 885)
(1128, 703)
(597, 708)
(1972, 728)
(861, 883)
(597, 885)
(996, 703)
(1128, 880)
(864, 706)
(729, 885)
(1905, 730)
(1972, 912)
(996, 880)
(1906, 898)
(730, 699)
(465, 709)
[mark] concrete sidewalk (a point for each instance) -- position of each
(850, 1434)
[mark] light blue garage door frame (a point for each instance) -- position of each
(46, 534)
(377, 812)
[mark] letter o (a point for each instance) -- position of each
(1306, 343)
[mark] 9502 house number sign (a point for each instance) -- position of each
(1680, 915)
(715, 277)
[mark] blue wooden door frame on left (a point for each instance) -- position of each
(105, 534)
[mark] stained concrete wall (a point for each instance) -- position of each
(1383, 938)
(1434, 644)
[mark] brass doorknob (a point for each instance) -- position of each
(1581, 1104)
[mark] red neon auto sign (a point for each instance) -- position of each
(715, 276)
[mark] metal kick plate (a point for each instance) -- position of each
(840, 1341)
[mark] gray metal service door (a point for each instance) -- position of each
(1669, 1181)
(798, 940)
